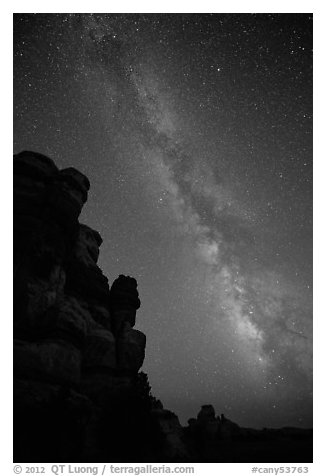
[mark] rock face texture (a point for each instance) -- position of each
(76, 354)
(78, 392)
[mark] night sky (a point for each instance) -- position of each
(195, 131)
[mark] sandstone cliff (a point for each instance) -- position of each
(77, 392)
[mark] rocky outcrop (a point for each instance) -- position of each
(130, 349)
(76, 353)
(174, 447)
(124, 302)
(78, 392)
(211, 438)
(209, 427)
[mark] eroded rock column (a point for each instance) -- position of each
(124, 303)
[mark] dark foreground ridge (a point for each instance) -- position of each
(78, 392)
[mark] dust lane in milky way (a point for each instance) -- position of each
(195, 131)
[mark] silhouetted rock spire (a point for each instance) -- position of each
(124, 301)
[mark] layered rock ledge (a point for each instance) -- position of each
(76, 353)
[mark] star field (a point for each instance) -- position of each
(195, 131)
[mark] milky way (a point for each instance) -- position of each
(196, 134)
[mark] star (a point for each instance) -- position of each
(195, 131)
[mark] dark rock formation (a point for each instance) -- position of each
(124, 302)
(78, 392)
(76, 355)
(174, 447)
(212, 438)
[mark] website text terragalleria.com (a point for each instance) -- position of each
(59, 469)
